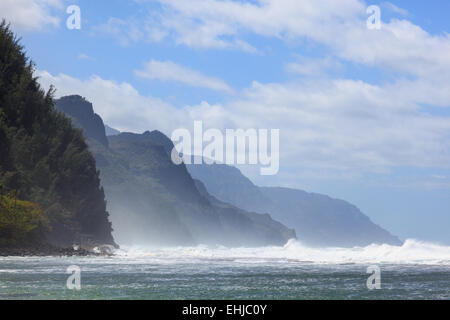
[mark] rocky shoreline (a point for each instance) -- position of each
(49, 250)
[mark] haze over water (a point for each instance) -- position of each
(416, 270)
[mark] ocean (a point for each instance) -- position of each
(416, 270)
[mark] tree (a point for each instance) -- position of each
(43, 157)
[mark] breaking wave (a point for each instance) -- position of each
(411, 252)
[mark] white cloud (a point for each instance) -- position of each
(392, 7)
(170, 71)
(399, 46)
(126, 32)
(346, 124)
(120, 105)
(30, 15)
(219, 24)
(337, 126)
(313, 67)
(324, 124)
(340, 25)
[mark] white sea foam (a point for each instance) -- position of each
(411, 252)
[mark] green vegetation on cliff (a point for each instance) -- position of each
(44, 160)
(21, 222)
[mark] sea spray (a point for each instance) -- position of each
(411, 252)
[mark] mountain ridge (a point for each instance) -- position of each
(318, 220)
(163, 201)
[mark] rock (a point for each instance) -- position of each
(48, 250)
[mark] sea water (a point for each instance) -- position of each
(416, 270)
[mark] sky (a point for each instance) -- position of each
(363, 113)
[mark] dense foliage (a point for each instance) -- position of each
(21, 222)
(43, 159)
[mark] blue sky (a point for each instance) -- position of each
(363, 114)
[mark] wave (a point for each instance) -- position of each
(411, 252)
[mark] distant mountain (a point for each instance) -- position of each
(317, 219)
(153, 201)
(111, 131)
(267, 226)
(228, 184)
(49, 186)
(321, 220)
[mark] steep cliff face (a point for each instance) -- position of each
(317, 219)
(45, 163)
(155, 202)
(83, 116)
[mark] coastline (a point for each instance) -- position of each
(49, 250)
